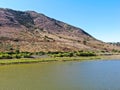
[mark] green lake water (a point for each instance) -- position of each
(88, 75)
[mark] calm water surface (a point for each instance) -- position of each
(88, 75)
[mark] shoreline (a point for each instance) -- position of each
(56, 59)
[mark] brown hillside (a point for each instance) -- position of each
(32, 31)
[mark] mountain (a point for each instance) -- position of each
(31, 31)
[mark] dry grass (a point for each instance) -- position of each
(50, 59)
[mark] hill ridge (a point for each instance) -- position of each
(33, 32)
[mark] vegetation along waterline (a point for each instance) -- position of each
(27, 57)
(50, 59)
(17, 57)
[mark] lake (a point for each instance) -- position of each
(87, 75)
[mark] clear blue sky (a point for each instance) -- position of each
(100, 18)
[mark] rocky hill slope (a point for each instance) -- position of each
(31, 31)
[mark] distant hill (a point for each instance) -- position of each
(31, 31)
(114, 43)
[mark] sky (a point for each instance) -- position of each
(100, 18)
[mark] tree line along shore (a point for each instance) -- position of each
(18, 57)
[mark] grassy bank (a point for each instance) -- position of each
(50, 59)
(7, 58)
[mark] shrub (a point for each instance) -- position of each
(10, 55)
(40, 53)
(86, 54)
